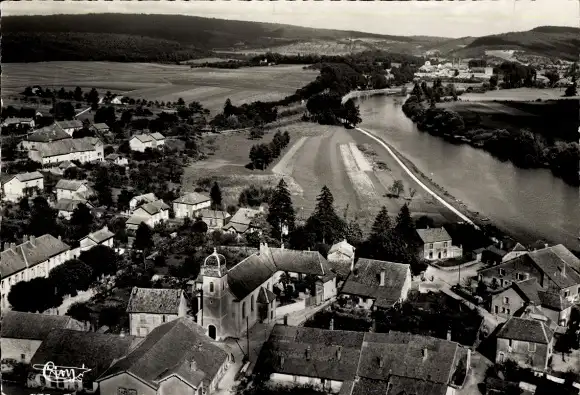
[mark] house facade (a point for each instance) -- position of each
(117, 159)
(341, 257)
(140, 142)
(86, 149)
(101, 237)
(43, 135)
(148, 308)
(241, 222)
(376, 284)
(72, 189)
(66, 207)
(141, 199)
(526, 341)
(236, 299)
(214, 219)
(35, 257)
(190, 205)
(150, 213)
(17, 186)
(10, 121)
(21, 334)
(437, 244)
(175, 358)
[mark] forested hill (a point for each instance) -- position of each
(551, 41)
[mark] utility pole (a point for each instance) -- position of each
(248, 337)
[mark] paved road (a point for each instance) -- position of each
(421, 184)
(452, 276)
(479, 365)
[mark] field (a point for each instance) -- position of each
(554, 119)
(315, 158)
(519, 94)
(211, 87)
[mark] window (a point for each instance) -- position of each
(210, 287)
(252, 304)
(522, 276)
(510, 342)
(503, 310)
(507, 311)
(496, 309)
(431, 246)
(532, 347)
(444, 244)
(122, 391)
(506, 300)
(164, 318)
(22, 356)
(566, 294)
(243, 309)
(507, 283)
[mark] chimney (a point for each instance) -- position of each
(546, 245)
(564, 269)
(33, 241)
(24, 239)
(331, 325)
(449, 335)
(307, 353)
(12, 245)
(382, 278)
(424, 353)
(339, 352)
(286, 320)
(59, 237)
(193, 366)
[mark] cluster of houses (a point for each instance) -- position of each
(455, 69)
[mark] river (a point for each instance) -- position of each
(530, 204)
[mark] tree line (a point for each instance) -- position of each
(262, 155)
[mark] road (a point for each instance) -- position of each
(421, 184)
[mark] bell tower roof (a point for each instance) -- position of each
(214, 265)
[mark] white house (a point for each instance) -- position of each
(17, 186)
(35, 257)
(46, 134)
(100, 127)
(70, 126)
(72, 189)
(149, 213)
(141, 199)
(190, 204)
(241, 221)
(66, 207)
(86, 149)
(10, 121)
(437, 244)
(140, 142)
(150, 307)
(341, 257)
(22, 333)
(117, 159)
(101, 237)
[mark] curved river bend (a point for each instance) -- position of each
(530, 204)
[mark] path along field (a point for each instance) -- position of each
(318, 155)
(211, 87)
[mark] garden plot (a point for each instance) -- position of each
(361, 182)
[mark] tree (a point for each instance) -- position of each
(82, 218)
(42, 218)
(143, 237)
(199, 226)
(325, 223)
(93, 96)
(216, 196)
(404, 225)
(382, 224)
(229, 109)
(80, 311)
(260, 156)
(34, 296)
(281, 214)
(354, 234)
(102, 260)
(78, 94)
(397, 188)
(102, 187)
(571, 90)
(123, 199)
(351, 113)
(71, 276)
(180, 102)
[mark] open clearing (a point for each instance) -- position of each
(211, 87)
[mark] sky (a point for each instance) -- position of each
(442, 18)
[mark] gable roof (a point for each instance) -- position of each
(67, 146)
(305, 262)
(154, 207)
(29, 254)
(529, 289)
(244, 216)
(136, 220)
(526, 329)
(154, 300)
(69, 205)
(433, 235)
(565, 255)
(214, 214)
(47, 134)
(365, 281)
(101, 126)
(147, 197)
(96, 351)
(555, 268)
(148, 137)
(157, 136)
(169, 349)
(100, 235)
(343, 247)
(192, 198)
(24, 177)
(519, 248)
(70, 185)
(75, 123)
(31, 326)
(408, 355)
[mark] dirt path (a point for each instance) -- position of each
(286, 165)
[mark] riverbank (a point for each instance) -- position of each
(370, 92)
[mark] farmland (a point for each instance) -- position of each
(211, 87)
(313, 159)
(519, 94)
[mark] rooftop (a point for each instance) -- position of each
(154, 207)
(433, 235)
(244, 216)
(66, 146)
(526, 329)
(69, 205)
(75, 123)
(100, 235)
(154, 301)
(192, 198)
(70, 185)
(47, 134)
(24, 177)
(343, 247)
(31, 326)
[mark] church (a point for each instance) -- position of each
(234, 300)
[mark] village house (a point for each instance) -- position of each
(101, 237)
(190, 205)
(437, 244)
(65, 347)
(175, 358)
(150, 213)
(62, 167)
(22, 333)
(140, 142)
(555, 268)
(527, 341)
(515, 299)
(376, 284)
(241, 222)
(46, 134)
(341, 257)
(348, 362)
(518, 250)
(73, 189)
(34, 257)
(66, 207)
(16, 186)
(70, 126)
(214, 219)
(149, 307)
(86, 149)
(236, 299)
(11, 121)
(141, 199)
(117, 159)
(100, 128)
